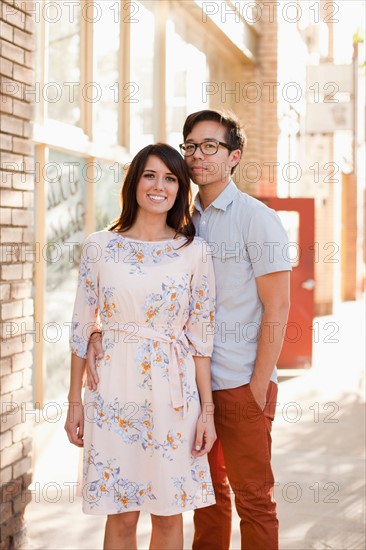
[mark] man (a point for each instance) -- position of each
(247, 241)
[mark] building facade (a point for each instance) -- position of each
(84, 86)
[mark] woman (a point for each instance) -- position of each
(147, 427)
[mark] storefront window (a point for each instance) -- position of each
(64, 232)
(138, 92)
(184, 82)
(62, 83)
(107, 193)
(106, 46)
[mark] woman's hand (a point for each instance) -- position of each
(205, 435)
(74, 424)
(95, 351)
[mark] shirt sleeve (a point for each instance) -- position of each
(267, 243)
(201, 321)
(84, 318)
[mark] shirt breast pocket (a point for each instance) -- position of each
(228, 263)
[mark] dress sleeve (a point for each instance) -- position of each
(84, 318)
(201, 318)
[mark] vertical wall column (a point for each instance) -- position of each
(18, 255)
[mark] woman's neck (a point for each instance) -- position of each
(146, 228)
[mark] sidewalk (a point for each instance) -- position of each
(318, 458)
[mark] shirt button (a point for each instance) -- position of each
(203, 223)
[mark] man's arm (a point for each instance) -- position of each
(274, 293)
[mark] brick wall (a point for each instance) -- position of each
(17, 194)
(267, 108)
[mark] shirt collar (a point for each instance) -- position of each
(221, 202)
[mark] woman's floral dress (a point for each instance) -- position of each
(154, 302)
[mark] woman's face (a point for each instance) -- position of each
(157, 188)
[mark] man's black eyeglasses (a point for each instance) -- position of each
(209, 147)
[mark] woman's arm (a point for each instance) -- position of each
(205, 433)
(74, 425)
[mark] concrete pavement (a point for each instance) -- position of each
(318, 457)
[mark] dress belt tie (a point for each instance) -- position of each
(175, 384)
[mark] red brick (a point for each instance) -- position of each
(5, 142)
(11, 310)
(27, 446)
(12, 52)
(28, 199)
(14, 525)
(5, 291)
(6, 104)
(23, 146)
(23, 39)
(11, 198)
(5, 440)
(28, 238)
(27, 271)
(20, 539)
(11, 454)
(5, 511)
(5, 366)
(20, 431)
(11, 125)
(30, 59)
(21, 361)
(9, 161)
(23, 109)
(23, 181)
(6, 67)
(5, 476)
(6, 31)
(21, 501)
(15, 401)
(13, 416)
(22, 74)
(11, 345)
(23, 466)
(30, 24)
(10, 234)
(22, 217)
(27, 373)
(10, 252)
(5, 216)
(13, 16)
(28, 304)
(20, 290)
(27, 129)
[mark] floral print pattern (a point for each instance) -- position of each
(137, 445)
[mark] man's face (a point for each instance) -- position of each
(210, 169)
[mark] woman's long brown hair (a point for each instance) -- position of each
(178, 217)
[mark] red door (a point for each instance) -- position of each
(297, 216)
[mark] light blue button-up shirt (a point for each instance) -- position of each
(246, 240)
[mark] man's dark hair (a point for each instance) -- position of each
(235, 136)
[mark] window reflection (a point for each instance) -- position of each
(184, 82)
(64, 233)
(106, 46)
(62, 88)
(107, 192)
(139, 91)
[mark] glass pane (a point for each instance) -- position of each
(139, 91)
(65, 188)
(62, 87)
(107, 192)
(184, 82)
(106, 46)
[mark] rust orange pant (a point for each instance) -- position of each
(240, 456)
